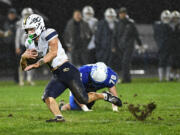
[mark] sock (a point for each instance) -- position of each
(59, 116)
(160, 72)
(105, 96)
(177, 76)
(171, 75)
(168, 73)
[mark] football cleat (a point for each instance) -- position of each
(57, 119)
(113, 99)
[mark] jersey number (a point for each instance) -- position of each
(113, 79)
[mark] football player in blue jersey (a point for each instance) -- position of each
(94, 77)
(44, 47)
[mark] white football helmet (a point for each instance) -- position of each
(99, 72)
(166, 16)
(88, 12)
(175, 17)
(34, 21)
(26, 12)
(110, 15)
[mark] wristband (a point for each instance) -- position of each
(41, 62)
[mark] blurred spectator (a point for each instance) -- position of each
(162, 36)
(124, 37)
(20, 46)
(77, 37)
(175, 46)
(103, 36)
(88, 16)
(8, 48)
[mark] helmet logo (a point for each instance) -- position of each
(35, 20)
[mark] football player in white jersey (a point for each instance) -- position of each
(88, 16)
(44, 44)
(44, 47)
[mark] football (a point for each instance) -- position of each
(32, 61)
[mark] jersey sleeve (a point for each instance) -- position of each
(85, 71)
(50, 34)
(113, 78)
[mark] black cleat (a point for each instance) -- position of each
(113, 99)
(57, 119)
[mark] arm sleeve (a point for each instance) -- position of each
(113, 78)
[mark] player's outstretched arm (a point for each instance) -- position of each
(114, 92)
(53, 47)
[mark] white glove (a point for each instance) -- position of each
(141, 49)
(114, 108)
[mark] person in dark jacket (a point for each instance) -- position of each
(8, 49)
(175, 46)
(162, 36)
(123, 38)
(103, 36)
(77, 38)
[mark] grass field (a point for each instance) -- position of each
(23, 113)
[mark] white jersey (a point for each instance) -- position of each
(20, 37)
(93, 26)
(42, 47)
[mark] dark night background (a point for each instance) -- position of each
(60, 11)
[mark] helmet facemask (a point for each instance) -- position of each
(166, 16)
(110, 15)
(88, 12)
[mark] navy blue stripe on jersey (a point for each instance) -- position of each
(51, 35)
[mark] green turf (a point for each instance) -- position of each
(23, 113)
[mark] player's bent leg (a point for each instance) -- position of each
(106, 96)
(76, 86)
(54, 108)
(78, 91)
(53, 90)
(95, 96)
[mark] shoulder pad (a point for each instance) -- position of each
(50, 34)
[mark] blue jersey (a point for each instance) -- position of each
(91, 85)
